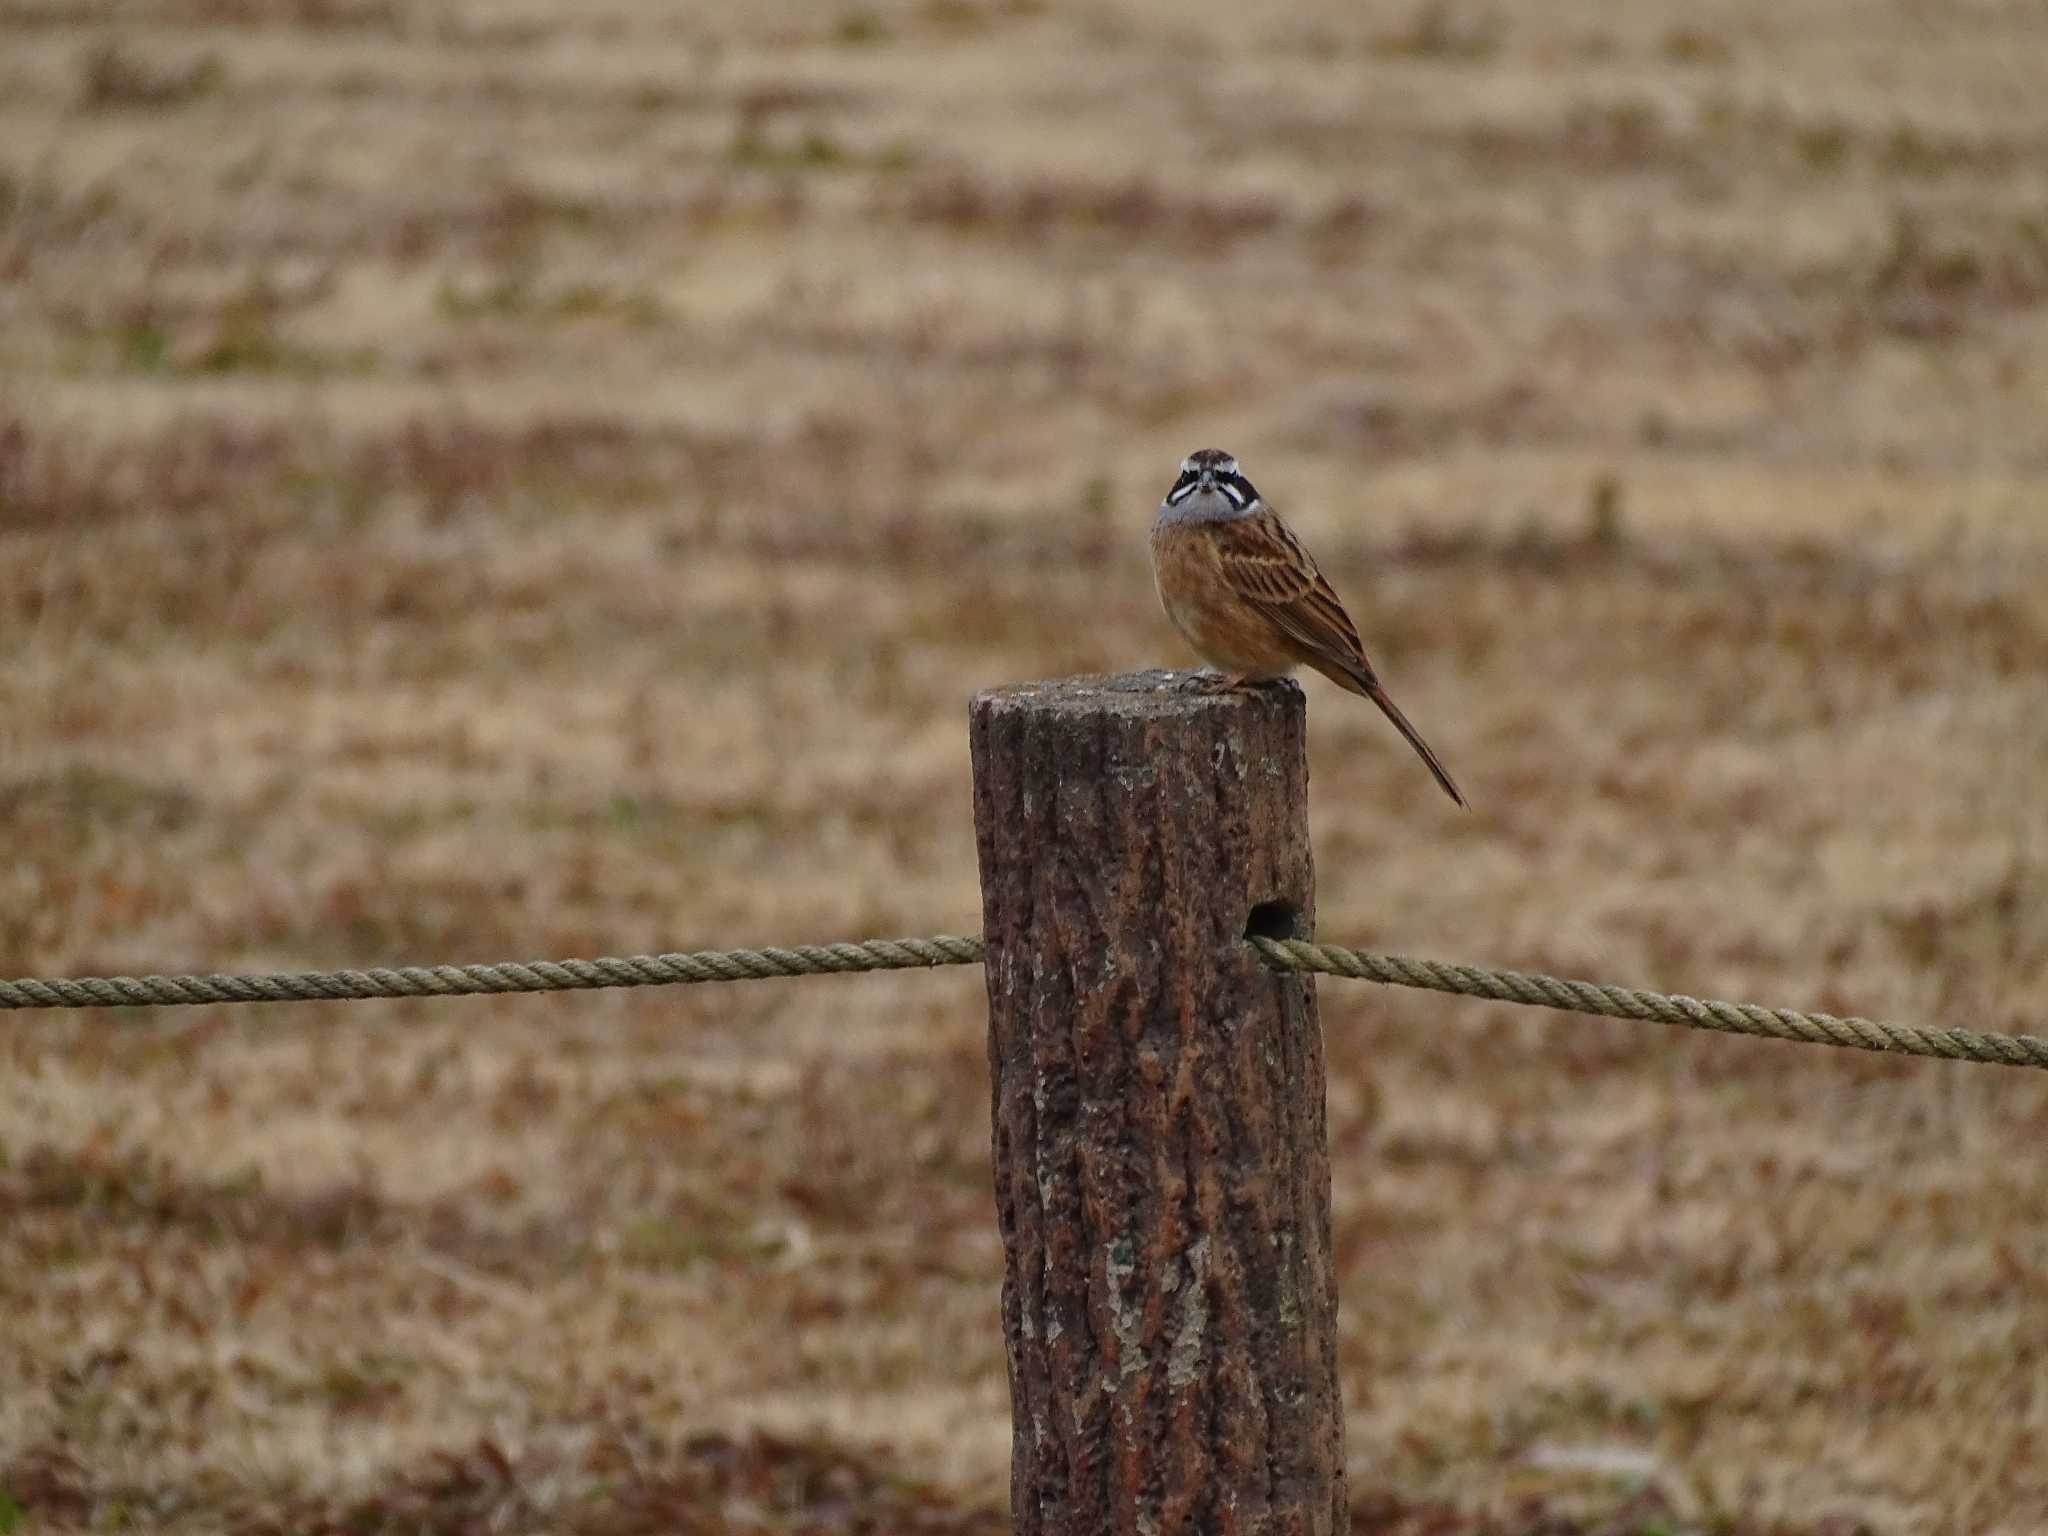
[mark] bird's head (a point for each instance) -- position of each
(1210, 486)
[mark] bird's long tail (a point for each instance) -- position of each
(1372, 690)
(1355, 674)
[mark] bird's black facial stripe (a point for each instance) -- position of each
(1231, 484)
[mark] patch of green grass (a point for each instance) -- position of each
(1823, 146)
(80, 799)
(246, 335)
(813, 150)
(113, 78)
(1440, 30)
(1689, 44)
(858, 27)
(662, 1243)
(515, 294)
(365, 1384)
(955, 15)
(144, 346)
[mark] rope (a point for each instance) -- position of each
(1654, 1007)
(512, 976)
(945, 949)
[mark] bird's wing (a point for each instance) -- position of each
(1265, 564)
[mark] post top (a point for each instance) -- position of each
(1155, 694)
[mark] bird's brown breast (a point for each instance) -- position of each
(1225, 629)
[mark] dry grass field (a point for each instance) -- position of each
(493, 478)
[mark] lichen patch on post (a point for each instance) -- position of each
(1126, 1316)
(1183, 1360)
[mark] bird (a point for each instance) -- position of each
(1242, 591)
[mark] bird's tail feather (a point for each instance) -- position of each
(1349, 674)
(1392, 711)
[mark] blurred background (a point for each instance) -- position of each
(488, 480)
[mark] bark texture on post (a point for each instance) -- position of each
(1161, 1157)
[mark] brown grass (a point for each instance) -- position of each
(494, 481)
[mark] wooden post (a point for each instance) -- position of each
(1162, 1165)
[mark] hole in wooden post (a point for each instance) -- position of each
(1275, 920)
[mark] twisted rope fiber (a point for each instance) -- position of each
(946, 949)
(1653, 1007)
(512, 976)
